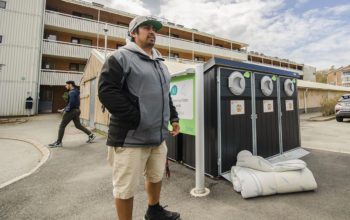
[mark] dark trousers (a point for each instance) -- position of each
(68, 117)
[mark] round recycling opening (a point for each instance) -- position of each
(236, 83)
(289, 87)
(266, 85)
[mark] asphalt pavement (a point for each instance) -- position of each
(75, 183)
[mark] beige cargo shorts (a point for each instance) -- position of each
(129, 163)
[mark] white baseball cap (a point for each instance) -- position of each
(144, 20)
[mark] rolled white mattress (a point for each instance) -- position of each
(254, 176)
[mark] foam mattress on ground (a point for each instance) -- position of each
(254, 176)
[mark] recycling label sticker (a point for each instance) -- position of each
(268, 106)
(237, 107)
(289, 105)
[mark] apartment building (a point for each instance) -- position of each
(339, 77)
(67, 31)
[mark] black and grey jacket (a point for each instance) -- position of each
(135, 90)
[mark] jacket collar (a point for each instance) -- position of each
(133, 47)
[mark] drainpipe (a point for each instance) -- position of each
(192, 46)
(98, 29)
(305, 100)
(169, 41)
(36, 111)
(106, 30)
(199, 190)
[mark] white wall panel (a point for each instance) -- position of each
(21, 25)
(59, 78)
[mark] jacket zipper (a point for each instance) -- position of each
(161, 85)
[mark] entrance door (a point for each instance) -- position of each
(267, 115)
(46, 98)
(92, 103)
(235, 113)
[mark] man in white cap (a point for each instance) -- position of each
(134, 87)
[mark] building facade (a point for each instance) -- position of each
(339, 77)
(65, 32)
(21, 28)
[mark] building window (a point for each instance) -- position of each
(76, 67)
(118, 46)
(48, 65)
(51, 9)
(199, 59)
(0, 39)
(199, 41)
(122, 24)
(175, 35)
(174, 55)
(2, 4)
(219, 45)
(86, 42)
(50, 36)
(78, 14)
(76, 40)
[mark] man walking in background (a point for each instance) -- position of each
(134, 87)
(71, 113)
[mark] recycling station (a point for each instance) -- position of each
(246, 107)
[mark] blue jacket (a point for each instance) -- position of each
(73, 100)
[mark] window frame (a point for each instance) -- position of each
(82, 39)
(75, 38)
(200, 59)
(48, 62)
(174, 55)
(82, 15)
(79, 67)
(47, 35)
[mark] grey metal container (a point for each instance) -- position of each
(235, 120)
(259, 131)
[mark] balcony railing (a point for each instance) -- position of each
(120, 32)
(300, 72)
(76, 23)
(59, 77)
(64, 49)
(181, 60)
(345, 80)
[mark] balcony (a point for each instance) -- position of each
(59, 77)
(75, 23)
(300, 72)
(71, 22)
(64, 49)
(345, 80)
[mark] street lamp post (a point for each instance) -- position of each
(105, 29)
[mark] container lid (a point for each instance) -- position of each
(248, 66)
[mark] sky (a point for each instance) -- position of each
(313, 32)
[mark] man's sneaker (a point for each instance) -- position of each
(91, 138)
(159, 213)
(55, 144)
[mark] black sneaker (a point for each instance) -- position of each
(91, 138)
(55, 144)
(159, 213)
